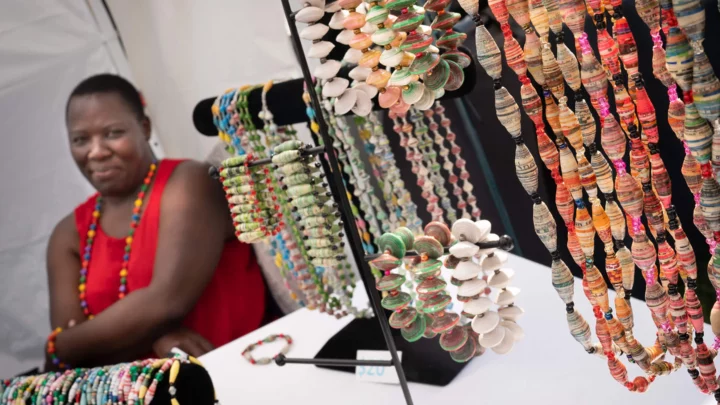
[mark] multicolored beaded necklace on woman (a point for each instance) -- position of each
(92, 231)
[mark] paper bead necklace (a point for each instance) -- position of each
(247, 353)
(92, 232)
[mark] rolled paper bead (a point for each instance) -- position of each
(518, 9)
(601, 222)
(628, 268)
(526, 169)
(614, 271)
(629, 194)
(407, 22)
(639, 165)
(603, 173)
(705, 87)
(488, 53)
(437, 230)
(564, 203)
(646, 114)
(627, 47)
(514, 53)
(649, 11)
(554, 16)
(661, 180)
(573, 15)
(659, 66)
(685, 255)
(533, 57)
(569, 66)
(593, 77)
(617, 332)
(624, 313)
(694, 310)
(548, 152)
(710, 203)
(625, 107)
(587, 177)
(585, 231)
(508, 112)
(603, 335)
(570, 125)
(612, 139)
(499, 10)
(679, 58)
(580, 329)
(570, 174)
(707, 367)
(692, 174)
(668, 262)
(643, 253)
(575, 249)
(700, 223)
(586, 120)
(531, 103)
(470, 6)
(551, 71)
(715, 318)
(608, 52)
(690, 16)
(539, 18)
(676, 113)
(552, 114)
(563, 281)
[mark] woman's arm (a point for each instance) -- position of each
(194, 225)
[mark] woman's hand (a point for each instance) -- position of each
(184, 339)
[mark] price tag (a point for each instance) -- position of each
(378, 374)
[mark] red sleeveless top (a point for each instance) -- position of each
(233, 303)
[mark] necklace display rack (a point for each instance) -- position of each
(423, 361)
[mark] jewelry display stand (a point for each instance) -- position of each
(423, 361)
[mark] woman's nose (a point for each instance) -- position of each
(98, 148)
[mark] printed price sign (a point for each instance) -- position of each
(378, 374)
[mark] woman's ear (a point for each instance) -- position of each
(147, 128)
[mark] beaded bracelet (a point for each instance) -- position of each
(247, 353)
(51, 348)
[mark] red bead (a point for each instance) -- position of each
(121, 295)
(141, 195)
(147, 181)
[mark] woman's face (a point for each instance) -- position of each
(108, 142)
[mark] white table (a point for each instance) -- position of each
(547, 367)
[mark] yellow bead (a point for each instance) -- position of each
(128, 240)
(174, 401)
(91, 317)
(81, 287)
(293, 295)
(138, 202)
(174, 370)
(153, 166)
(143, 391)
(96, 214)
(123, 273)
(314, 126)
(91, 233)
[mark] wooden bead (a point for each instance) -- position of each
(552, 73)
(603, 173)
(563, 281)
(705, 87)
(533, 57)
(691, 17)
(546, 228)
(526, 169)
(698, 134)
(488, 52)
(539, 18)
(679, 58)
(508, 112)
(587, 122)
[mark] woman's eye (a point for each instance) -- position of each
(114, 133)
(79, 140)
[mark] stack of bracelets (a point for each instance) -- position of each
(125, 383)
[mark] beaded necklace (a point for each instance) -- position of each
(92, 230)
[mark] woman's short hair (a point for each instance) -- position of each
(110, 83)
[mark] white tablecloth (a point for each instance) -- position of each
(547, 367)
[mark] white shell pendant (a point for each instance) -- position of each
(472, 288)
(514, 329)
(359, 73)
(335, 87)
(484, 226)
(485, 322)
(506, 344)
(369, 28)
(309, 14)
(344, 37)
(464, 249)
(363, 104)
(512, 313)
(465, 229)
(501, 278)
(371, 91)
(352, 56)
(313, 32)
(466, 270)
(391, 57)
(477, 306)
(333, 7)
(321, 49)
(490, 238)
(493, 338)
(316, 3)
(327, 70)
(495, 262)
(507, 296)
(439, 93)
(346, 102)
(336, 21)
(427, 100)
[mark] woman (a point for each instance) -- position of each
(150, 261)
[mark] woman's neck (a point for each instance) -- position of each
(131, 195)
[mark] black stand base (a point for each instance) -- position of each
(424, 361)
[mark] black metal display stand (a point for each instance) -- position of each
(424, 360)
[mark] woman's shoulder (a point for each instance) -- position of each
(65, 233)
(189, 173)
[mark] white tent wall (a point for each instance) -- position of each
(46, 48)
(182, 51)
